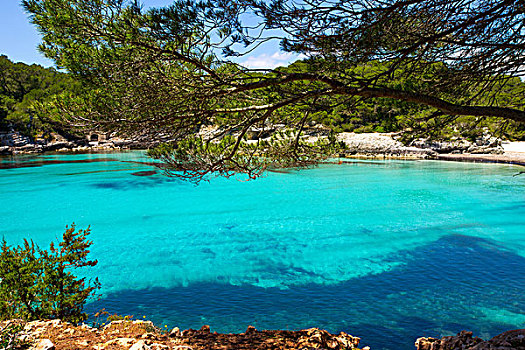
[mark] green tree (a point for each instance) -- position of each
(40, 284)
(26, 90)
(167, 70)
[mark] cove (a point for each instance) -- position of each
(385, 250)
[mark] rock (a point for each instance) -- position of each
(369, 142)
(175, 332)
(511, 340)
(250, 330)
(460, 146)
(43, 344)
(205, 329)
(484, 144)
(379, 144)
(140, 345)
(317, 338)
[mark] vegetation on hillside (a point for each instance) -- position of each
(36, 100)
(25, 90)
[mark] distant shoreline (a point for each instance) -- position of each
(358, 146)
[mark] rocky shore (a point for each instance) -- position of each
(365, 145)
(12, 143)
(386, 145)
(143, 335)
(464, 340)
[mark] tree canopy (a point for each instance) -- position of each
(170, 70)
(23, 88)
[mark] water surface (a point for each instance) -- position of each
(385, 250)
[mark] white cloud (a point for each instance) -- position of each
(267, 61)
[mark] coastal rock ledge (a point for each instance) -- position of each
(143, 335)
(514, 340)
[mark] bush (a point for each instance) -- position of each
(39, 284)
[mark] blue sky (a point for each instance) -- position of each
(19, 39)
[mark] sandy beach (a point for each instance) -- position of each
(514, 154)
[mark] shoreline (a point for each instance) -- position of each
(357, 146)
(513, 158)
(132, 334)
(510, 158)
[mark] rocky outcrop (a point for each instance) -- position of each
(388, 144)
(511, 340)
(358, 145)
(14, 143)
(143, 335)
(379, 144)
(485, 144)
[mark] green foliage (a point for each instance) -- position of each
(25, 90)
(39, 284)
(353, 114)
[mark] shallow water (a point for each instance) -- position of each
(385, 250)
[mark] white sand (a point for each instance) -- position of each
(518, 146)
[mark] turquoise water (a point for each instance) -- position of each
(385, 250)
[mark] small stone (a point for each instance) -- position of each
(205, 329)
(250, 330)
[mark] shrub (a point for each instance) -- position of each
(9, 333)
(39, 284)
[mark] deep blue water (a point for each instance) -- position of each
(385, 250)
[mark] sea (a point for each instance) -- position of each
(386, 250)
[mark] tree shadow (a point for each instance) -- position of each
(457, 282)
